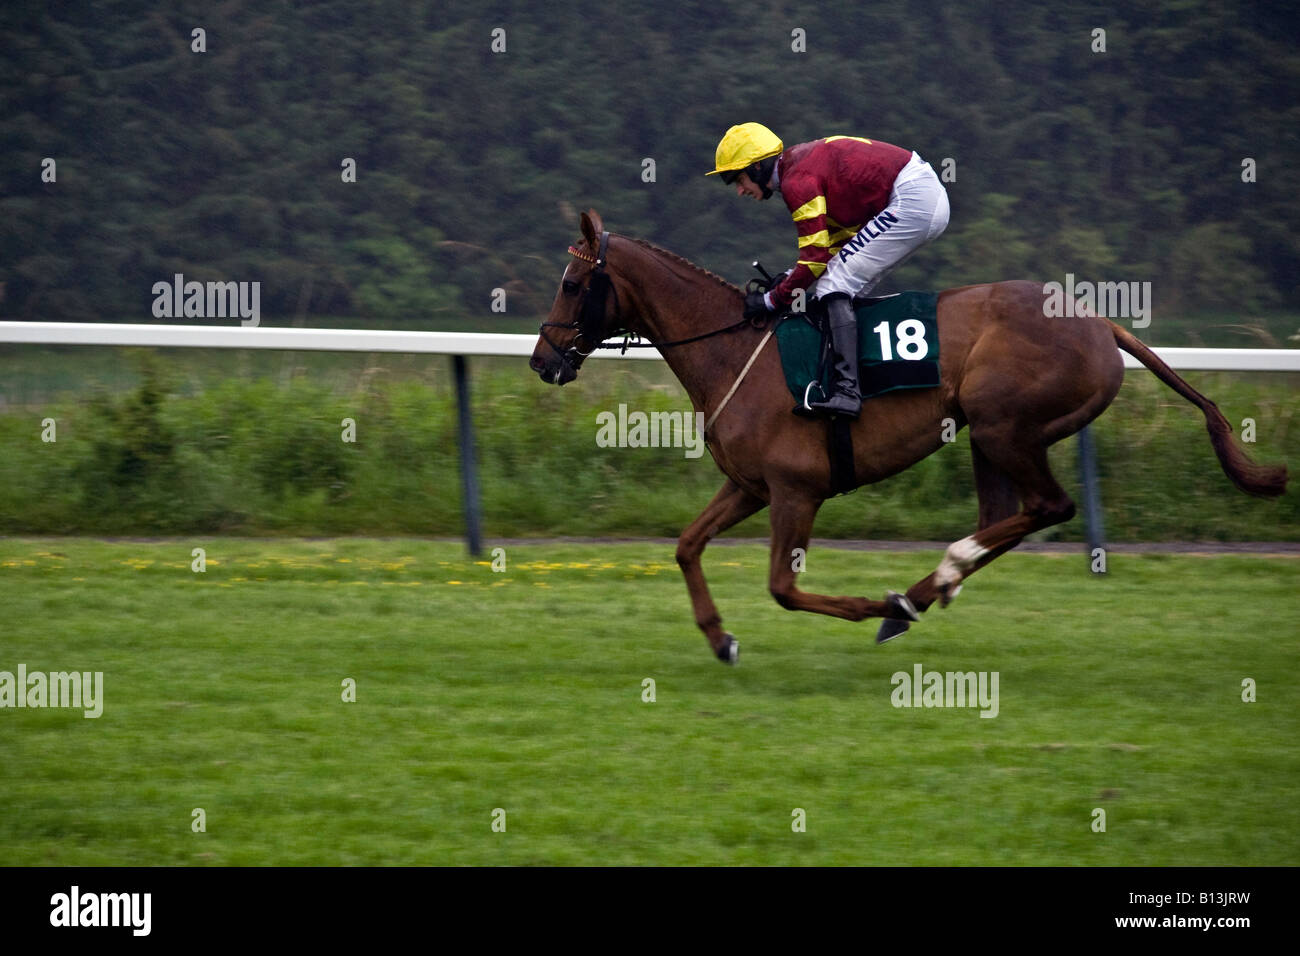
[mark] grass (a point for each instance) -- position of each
(523, 690)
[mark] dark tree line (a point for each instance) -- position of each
(471, 164)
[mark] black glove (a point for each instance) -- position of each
(755, 307)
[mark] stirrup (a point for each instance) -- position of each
(806, 409)
(826, 408)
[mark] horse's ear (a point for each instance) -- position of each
(592, 227)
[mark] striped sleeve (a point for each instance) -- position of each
(807, 202)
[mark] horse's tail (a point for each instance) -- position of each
(1264, 481)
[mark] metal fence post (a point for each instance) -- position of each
(1091, 492)
(468, 467)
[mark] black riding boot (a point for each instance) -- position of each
(846, 398)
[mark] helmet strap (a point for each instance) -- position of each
(761, 174)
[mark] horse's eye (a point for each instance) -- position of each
(571, 287)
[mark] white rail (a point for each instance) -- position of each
(479, 343)
(460, 344)
(240, 337)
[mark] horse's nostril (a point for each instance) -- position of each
(535, 363)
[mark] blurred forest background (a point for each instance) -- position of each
(471, 169)
(471, 165)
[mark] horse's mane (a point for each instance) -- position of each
(674, 257)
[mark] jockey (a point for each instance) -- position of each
(860, 207)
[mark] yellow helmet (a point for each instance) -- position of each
(742, 147)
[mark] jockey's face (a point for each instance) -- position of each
(747, 187)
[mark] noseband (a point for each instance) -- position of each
(591, 313)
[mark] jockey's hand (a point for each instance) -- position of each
(756, 305)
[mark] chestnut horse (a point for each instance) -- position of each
(1020, 379)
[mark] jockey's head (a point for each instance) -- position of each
(746, 157)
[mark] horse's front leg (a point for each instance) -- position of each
(732, 504)
(792, 520)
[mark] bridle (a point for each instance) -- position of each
(591, 316)
(591, 310)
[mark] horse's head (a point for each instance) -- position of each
(585, 310)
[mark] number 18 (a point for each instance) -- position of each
(911, 340)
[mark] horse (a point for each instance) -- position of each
(1019, 379)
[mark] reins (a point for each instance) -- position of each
(628, 342)
(587, 315)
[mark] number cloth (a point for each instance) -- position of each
(898, 347)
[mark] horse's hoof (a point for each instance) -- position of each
(729, 652)
(890, 629)
(903, 604)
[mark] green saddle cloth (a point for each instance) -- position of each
(898, 347)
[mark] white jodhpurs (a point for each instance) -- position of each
(917, 212)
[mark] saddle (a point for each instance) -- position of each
(898, 345)
(898, 348)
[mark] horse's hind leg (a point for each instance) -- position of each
(1045, 503)
(996, 490)
(792, 520)
(998, 501)
(731, 505)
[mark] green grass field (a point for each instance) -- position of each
(523, 691)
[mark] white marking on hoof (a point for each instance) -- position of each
(960, 557)
(729, 653)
